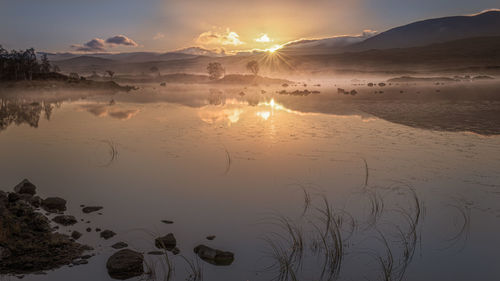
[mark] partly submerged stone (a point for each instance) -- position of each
(91, 209)
(54, 204)
(76, 235)
(25, 187)
(119, 245)
(167, 242)
(125, 264)
(214, 256)
(106, 234)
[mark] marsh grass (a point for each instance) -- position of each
(320, 239)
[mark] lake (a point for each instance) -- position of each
(316, 187)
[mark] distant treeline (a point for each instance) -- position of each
(23, 65)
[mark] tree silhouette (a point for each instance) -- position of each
(110, 73)
(215, 71)
(155, 69)
(253, 66)
(45, 66)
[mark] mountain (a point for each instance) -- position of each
(432, 31)
(197, 51)
(324, 45)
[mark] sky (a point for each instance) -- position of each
(229, 25)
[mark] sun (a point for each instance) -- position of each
(274, 48)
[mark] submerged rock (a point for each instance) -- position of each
(54, 204)
(119, 245)
(167, 222)
(125, 264)
(106, 234)
(167, 242)
(65, 220)
(210, 237)
(91, 209)
(214, 256)
(25, 187)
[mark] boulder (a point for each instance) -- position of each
(25, 187)
(125, 264)
(54, 204)
(167, 242)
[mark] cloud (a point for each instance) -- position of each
(158, 36)
(94, 45)
(219, 38)
(99, 45)
(263, 39)
(121, 40)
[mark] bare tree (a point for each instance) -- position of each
(45, 66)
(155, 69)
(215, 71)
(111, 73)
(253, 66)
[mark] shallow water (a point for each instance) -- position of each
(217, 163)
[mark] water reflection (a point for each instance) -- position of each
(20, 112)
(103, 110)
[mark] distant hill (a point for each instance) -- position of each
(432, 31)
(480, 52)
(324, 45)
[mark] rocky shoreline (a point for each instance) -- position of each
(30, 243)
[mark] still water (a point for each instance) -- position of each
(290, 188)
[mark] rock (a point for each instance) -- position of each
(370, 85)
(211, 237)
(79, 262)
(88, 229)
(25, 187)
(176, 251)
(167, 222)
(155, 253)
(28, 244)
(13, 197)
(4, 253)
(167, 242)
(76, 235)
(354, 92)
(242, 94)
(381, 84)
(119, 245)
(163, 84)
(97, 229)
(54, 204)
(214, 256)
(106, 234)
(35, 201)
(65, 220)
(125, 264)
(91, 209)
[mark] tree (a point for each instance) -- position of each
(45, 66)
(155, 69)
(215, 71)
(55, 68)
(253, 66)
(110, 73)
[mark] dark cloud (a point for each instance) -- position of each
(94, 45)
(99, 45)
(121, 40)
